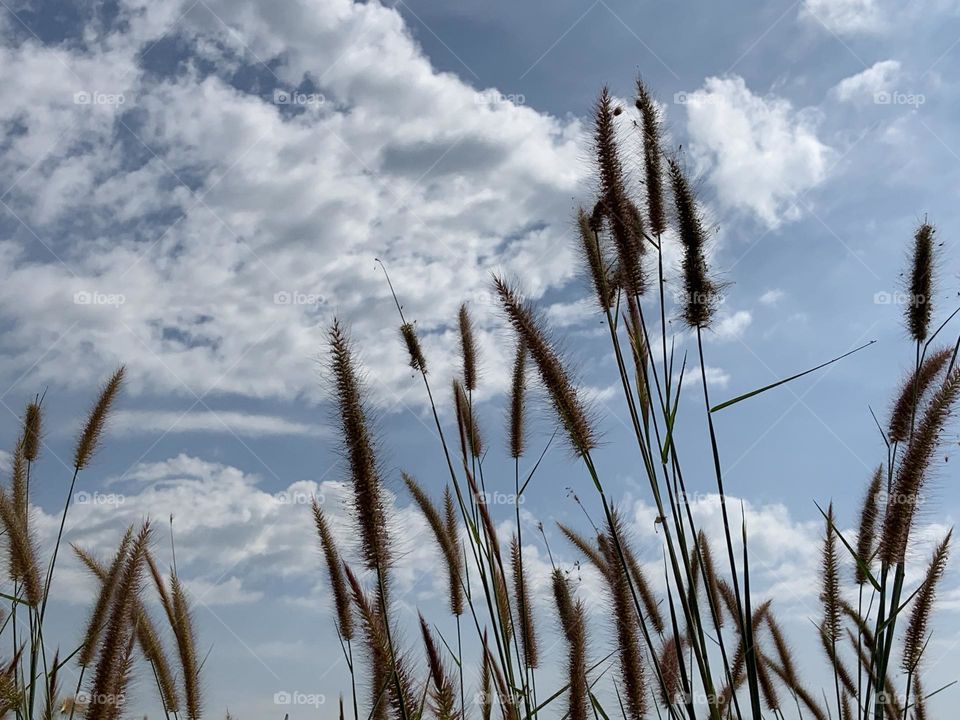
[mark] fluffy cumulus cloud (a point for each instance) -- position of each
(845, 17)
(866, 86)
(164, 206)
(760, 153)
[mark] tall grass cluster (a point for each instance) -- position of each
(707, 645)
(120, 639)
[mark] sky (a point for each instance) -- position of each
(196, 189)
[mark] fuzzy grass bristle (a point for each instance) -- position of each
(570, 408)
(572, 615)
(623, 218)
(32, 431)
(912, 391)
(445, 534)
(867, 528)
(338, 585)
(20, 546)
(700, 300)
(466, 422)
(830, 581)
(358, 444)
(441, 692)
(518, 401)
(521, 594)
(92, 433)
(912, 473)
(468, 349)
(915, 638)
(417, 360)
(919, 305)
(591, 248)
(653, 175)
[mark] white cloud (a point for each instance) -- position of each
(732, 327)
(760, 153)
(865, 86)
(772, 297)
(210, 234)
(135, 422)
(845, 17)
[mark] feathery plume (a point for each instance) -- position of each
(830, 583)
(624, 220)
(700, 302)
(919, 307)
(442, 693)
(518, 389)
(591, 252)
(650, 120)
(338, 585)
(466, 421)
(916, 636)
(32, 432)
(409, 334)
(710, 572)
(625, 622)
(669, 663)
(569, 407)
(468, 349)
(584, 546)
(643, 588)
(521, 594)
(187, 646)
(23, 557)
(912, 392)
(449, 544)
(867, 532)
(455, 561)
(359, 448)
(486, 682)
(913, 470)
(573, 623)
(53, 688)
(108, 583)
(97, 419)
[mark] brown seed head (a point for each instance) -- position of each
(919, 305)
(700, 302)
(97, 419)
(32, 432)
(409, 334)
(468, 349)
(650, 120)
(913, 390)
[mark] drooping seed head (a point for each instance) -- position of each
(913, 390)
(916, 636)
(597, 265)
(867, 532)
(417, 359)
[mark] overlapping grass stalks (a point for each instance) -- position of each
(708, 648)
(120, 639)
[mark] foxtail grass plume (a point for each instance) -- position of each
(915, 639)
(912, 473)
(830, 582)
(358, 446)
(20, 546)
(18, 482)
(592, 254)
(97, 419)
(417, 359)
(919, 306)
(668, 661)
(341, 596)
(518, 401)
(486, 681)
(187, 648)
(571, 411)
(445, 536)
(650, 122)
(912, 392)
(572, 617)
(710, 573)
(622, 216)
(468, 349)
(109, 578)
(867, 528)
(441, 687)
(466, 422)
(700, 301)
(633, 682)
(644, 590)
(521, 594)
(32, 431)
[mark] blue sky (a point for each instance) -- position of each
(196, 189)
